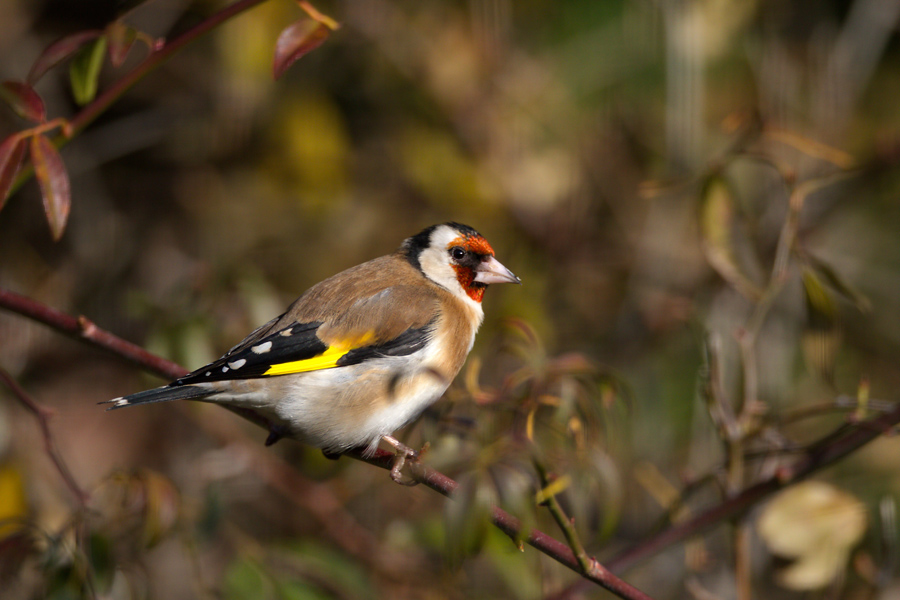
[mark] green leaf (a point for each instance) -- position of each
(822, 336)
(59, 51)
(467, 517)
(840, 285)
(245, 581)
(719, 223)
(343, 572)
(53, 180)
(84, 70)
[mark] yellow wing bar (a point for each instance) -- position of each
(326, 360)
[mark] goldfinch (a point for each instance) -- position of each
(360, 354)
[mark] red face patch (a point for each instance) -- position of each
(466, 275)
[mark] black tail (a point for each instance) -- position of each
(160, 394)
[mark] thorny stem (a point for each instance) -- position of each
(437, 481)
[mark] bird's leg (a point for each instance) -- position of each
(404, 452)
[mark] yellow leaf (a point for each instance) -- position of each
(816, 525)
(13, 503)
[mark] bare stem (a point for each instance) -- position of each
(111, 94)
(837, 446)
(562, 519)
(42, 415)
(279, 471)
(512, 527)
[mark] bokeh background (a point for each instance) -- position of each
(579, 137)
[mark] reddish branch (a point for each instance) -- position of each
(108, 97)
(83, 329)
(835, 447)
(512, 527)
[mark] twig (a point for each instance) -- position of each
(562, 519)
(83, 329)
(512, 527)
(42, 415)
(109, 96)
(437, 481)
(818, 457)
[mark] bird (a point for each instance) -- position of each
(362, 353)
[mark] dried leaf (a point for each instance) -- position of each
(161, 506)
(12, 152)
(121, 38)
(719, 224)
(295, 41)
(22, 98)
(84, 71)
(817, 525)
(51, 175)
(59, 51)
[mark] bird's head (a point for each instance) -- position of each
(457, 258)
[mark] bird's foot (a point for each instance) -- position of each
(403, 454)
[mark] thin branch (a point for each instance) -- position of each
(82, 329)
(512, 527)
(42, 415)
(110, 95)
(816, 458)
(562, 519)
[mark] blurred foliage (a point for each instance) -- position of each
(699, 196)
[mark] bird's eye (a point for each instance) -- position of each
(457, 252)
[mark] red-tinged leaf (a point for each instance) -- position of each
(59, 51)
(84, 71)
(22, 98)
(12, 153)
(298, 39)
(51, 175)
(121, 38)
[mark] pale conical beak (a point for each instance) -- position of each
(491, 271)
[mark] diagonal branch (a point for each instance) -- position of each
(835, 447)
(108, 97)
(42, 415)
(83, 329)
(512, 527)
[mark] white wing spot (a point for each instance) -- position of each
(265, 347)
(238, 363)
(285, 333)
(122, 402)
(208, 373)
(224, 369)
